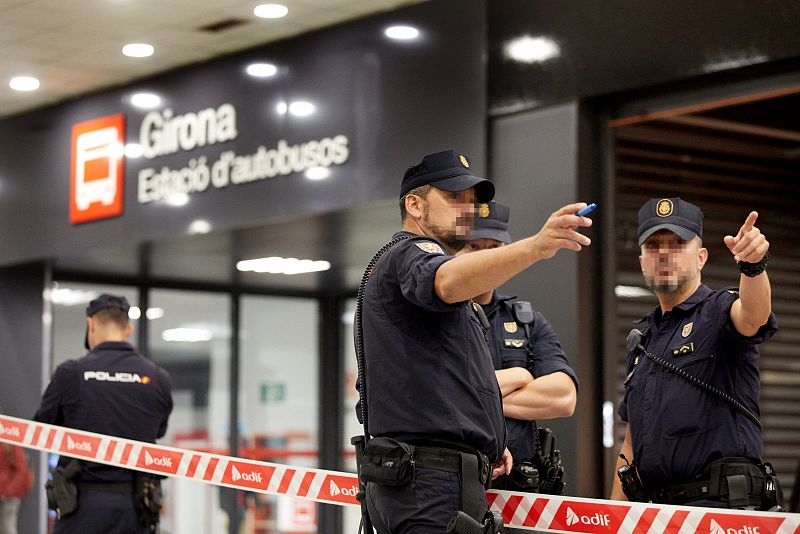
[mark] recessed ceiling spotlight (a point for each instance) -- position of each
(317, 173)
(145, 100)
(262, 70)
(527, 49)
(138, 50)
(281, 108)
(271, 11)
(401, 33)
(301, 108)
(24, 83)
(199, 226)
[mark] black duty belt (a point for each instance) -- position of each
(454, 461)
(116, 487)
(737, 481)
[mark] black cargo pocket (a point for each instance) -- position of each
(388, 462)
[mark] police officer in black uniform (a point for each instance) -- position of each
(534, 375)
(691, 446)
(429, 376)
(112, 390)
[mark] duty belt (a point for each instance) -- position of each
(472, 466)
(737, 481)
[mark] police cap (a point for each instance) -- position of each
(491, 222)
(674, 214)
(448, 171)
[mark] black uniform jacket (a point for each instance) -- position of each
(428, 368)
(112, 390)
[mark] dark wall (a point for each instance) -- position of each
(534, 162)
(620, 45)
(22, 342)
(395, 101)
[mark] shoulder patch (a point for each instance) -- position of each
(430, 247)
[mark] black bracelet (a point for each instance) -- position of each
(754, 269)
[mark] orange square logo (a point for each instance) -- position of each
(97, 171)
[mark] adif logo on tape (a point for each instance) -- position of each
(335, 490)
(11, 431)
(252, 476)
(716, 528)
(158, 460)
(73, 445)
(597, 519)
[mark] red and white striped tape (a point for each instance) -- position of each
(520, 510)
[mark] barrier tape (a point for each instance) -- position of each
(547, 513)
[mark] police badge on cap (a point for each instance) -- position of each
(682, 218)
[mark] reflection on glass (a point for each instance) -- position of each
(145, 100)
(262, 70)
(401, 33)
(200, 392)
(278, 402)
(527, 49)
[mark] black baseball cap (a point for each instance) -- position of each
(104, 302)
(674, 214)
(448, 171)
(491, 222)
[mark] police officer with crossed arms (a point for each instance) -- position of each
(116, 391)
(535, 378)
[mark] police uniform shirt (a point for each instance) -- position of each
(509, 348)
(676, 428)
(428, 368)
(112, 390)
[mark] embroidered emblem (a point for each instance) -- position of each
(430, 248)
(664, 207)
(514, 343)
(463, 160)
(687, 329)
(483, 210)
(510, 327)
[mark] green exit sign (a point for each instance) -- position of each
(274, 393)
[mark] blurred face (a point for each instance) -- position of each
(670, 264)
(481, 244)
(448, 216)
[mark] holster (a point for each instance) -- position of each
(61, 489)
(148, 499)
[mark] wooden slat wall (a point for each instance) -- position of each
(727, 175)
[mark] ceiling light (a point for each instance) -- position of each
(155, 313)
(63, 296)
(187, 335)
(24, 83)
(145, 100)
(529, 49)
(271, 11)
(134, 313)
(262, 70)
(278, 265)
(199, 226)
(133, 150)
(138, 50)
(317, 173)
(301, 108)
(401, 33)
(177, 199)
(281, 108)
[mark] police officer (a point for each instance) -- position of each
(691, 446)
(112, 390)
(534, 375)
(429, 376)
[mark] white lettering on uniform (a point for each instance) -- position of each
(104, 376)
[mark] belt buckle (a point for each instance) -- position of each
(485, 468)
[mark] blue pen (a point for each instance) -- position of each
(587, 210)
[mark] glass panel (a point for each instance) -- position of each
(352, 515)
(69, 316)
(190, 338)
(278, 399)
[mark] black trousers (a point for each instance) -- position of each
(102, 512)
(424, 506)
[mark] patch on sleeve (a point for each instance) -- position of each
(430, 247)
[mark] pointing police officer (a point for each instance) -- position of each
(116, 391)
(429, 378)
(691, 445)
(534, 375)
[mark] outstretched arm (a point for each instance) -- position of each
(754, 305)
